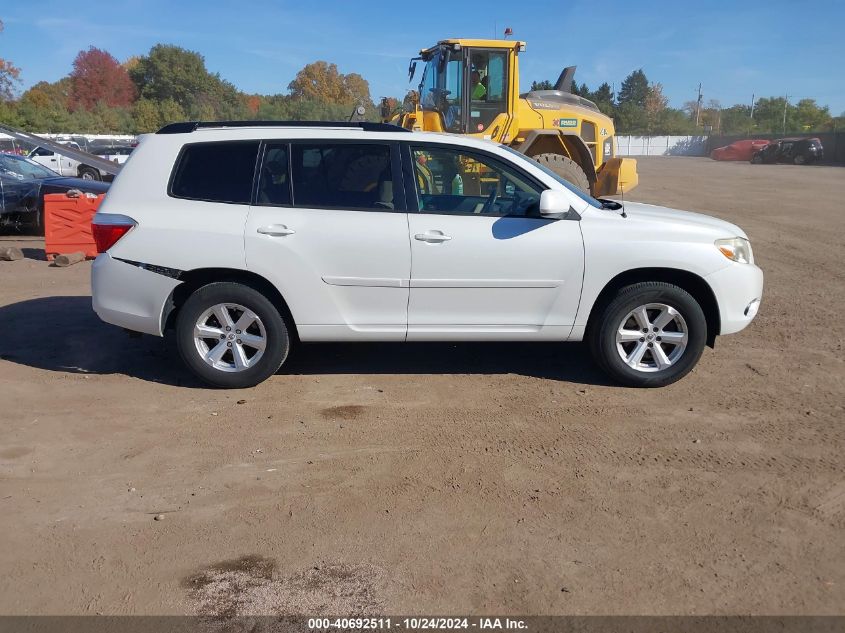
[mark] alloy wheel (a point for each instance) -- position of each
(230, 337)
(652, 337)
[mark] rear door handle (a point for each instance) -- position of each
(432, 237)
(275, 230)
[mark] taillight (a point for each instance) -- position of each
(108, 228)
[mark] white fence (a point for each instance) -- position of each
(88, 137)
(661, 145)
(7, 143)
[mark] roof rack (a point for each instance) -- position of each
(186, 127)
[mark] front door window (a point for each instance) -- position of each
(462, 183)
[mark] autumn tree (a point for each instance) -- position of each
(321, 81)
(146, 116)
(390, 106)
(131, 62)
(9, 76)
(98, 77)
(44, 107)
(655, 104)
(253, 103)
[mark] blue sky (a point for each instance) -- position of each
(734, 48)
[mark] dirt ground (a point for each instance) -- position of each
(483, 478)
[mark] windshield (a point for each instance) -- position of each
(442, 85)
(584, 196)
(23, 168)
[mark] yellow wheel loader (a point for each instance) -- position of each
(472, 87)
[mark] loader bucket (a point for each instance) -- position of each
(616, 176)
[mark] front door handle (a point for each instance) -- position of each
(433, 237)
(275, 230)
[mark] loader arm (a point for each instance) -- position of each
(83, 157)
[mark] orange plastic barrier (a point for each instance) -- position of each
(67, 224)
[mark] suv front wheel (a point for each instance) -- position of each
(649, 335)
(230, 335)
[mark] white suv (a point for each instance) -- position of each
(244, 237)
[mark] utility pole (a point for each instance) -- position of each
(785, 104)
(698, 106)
(751, 120)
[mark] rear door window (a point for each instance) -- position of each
(355, 176)
(216, 172)
(274, 181)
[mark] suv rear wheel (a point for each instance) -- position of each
(650, 335)
(230, 335)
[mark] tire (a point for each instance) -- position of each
(756, 160)
(89, 173)
(687, 326)
(799, 159)
(566, 168)
(253, 365)
(36, 226)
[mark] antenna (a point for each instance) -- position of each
(622, 189)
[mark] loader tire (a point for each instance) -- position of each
(566, 168)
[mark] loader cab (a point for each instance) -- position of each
(469, 87)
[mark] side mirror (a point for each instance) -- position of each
(554, 204)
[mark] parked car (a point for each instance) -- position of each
(66, 166)
(115, 153)
(23, 184)
(244, 238)
(800, 151)
(739, 150)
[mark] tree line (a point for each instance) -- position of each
(169, 83)
(102, 95)
(640, 107)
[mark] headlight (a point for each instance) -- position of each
(737, 249)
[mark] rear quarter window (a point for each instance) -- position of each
(215, 172)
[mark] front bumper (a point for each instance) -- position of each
(738, 289)
(129, 296)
